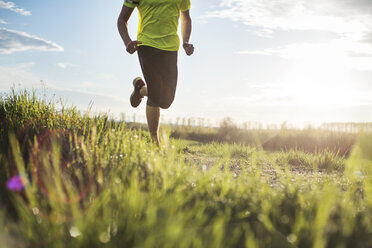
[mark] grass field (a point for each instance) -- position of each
(72, 180)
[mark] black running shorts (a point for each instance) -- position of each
(160, 71)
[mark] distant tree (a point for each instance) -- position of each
(228, 130)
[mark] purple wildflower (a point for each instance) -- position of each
(17, 183)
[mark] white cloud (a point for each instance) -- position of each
(331, 15)
(349, 20)
(3, 22)
(13, 7)
(64, 65)
(14, 41)
(343, 52)
(367, 37)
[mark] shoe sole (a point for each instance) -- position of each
(137, 84)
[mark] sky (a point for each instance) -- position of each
(274, 61)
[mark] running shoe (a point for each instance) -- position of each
(135, 97)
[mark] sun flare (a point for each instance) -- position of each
(320, 80)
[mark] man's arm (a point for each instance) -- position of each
(186, 27)
(124, 16)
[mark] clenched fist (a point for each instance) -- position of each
(189, 48)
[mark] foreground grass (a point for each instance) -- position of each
(96, 183)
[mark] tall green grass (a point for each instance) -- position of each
(93, 182)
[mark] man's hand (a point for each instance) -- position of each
(189, 48)
(132, 46)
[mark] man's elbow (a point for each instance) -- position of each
(121, 23)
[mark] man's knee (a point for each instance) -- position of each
(163, 103)
(166, 104)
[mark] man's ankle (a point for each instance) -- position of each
(155, 139)
(143, 91)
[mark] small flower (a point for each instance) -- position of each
(17, 183)
(74, 232)
(292, 238)
(35, 211)
(104, 237)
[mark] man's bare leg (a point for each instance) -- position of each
(153, 118)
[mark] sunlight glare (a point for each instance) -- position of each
(321, 79)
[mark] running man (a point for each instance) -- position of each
(157, 45)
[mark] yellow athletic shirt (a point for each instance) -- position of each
(158, 22)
